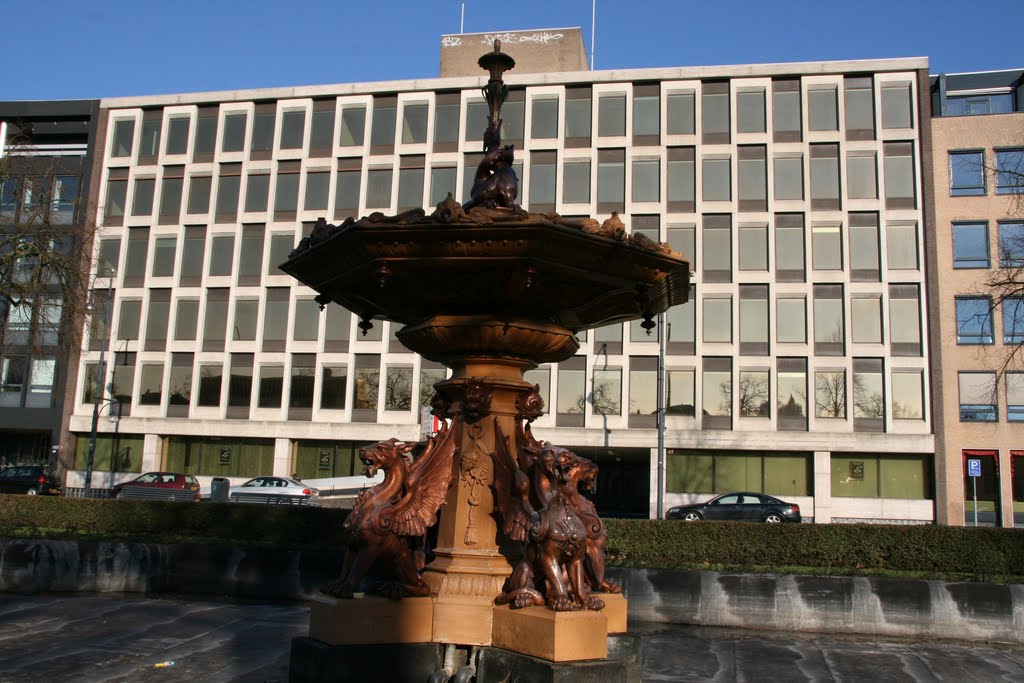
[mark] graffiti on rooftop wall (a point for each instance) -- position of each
(542, 37)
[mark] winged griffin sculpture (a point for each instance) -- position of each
(391, 517)
(537, 494)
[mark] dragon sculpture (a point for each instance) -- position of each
(389, 520)
(539, 502)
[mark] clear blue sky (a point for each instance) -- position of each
(107, 48)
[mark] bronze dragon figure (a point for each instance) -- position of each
(390, 517)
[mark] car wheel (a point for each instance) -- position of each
(692, 517)
(32, 492)
(772, 519)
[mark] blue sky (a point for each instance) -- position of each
(107, 48)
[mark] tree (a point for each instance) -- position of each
(830, 394)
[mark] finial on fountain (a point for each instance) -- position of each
(496, 63)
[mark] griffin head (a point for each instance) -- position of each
(383, 455)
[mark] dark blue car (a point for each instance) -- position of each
(738, 507)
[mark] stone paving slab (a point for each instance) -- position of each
(111, 639)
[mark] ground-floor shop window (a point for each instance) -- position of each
(782, 474)
(882, 475)
(219, 457)
(1017, 469)
(981, 493)
(114, 453)
(327, 459)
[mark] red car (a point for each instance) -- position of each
(159, 486)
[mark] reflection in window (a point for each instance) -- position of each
(1015, 396)
(866, 320)
(365, 386)
(791, 392)
(791, 323)
(271, 386)
(970, 245)
(1013, 320)
(974, 320)
(680, 392)
(716, 389)
(353, 126)
(1011, 245)
(606, 396)
(398, 391)
(830, 394)
(977, 396)
(907, 395)
(753, 394)
(966, 174)
(571, 389)
(1009, 171)
(332, 387)
(414, 124)
(868, 398)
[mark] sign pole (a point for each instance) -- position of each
(974, 480)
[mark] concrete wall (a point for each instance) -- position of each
(855, 605)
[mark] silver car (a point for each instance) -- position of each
(275, 490)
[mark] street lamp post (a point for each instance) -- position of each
(101, 377)
(661, 416)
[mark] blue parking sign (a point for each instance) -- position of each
(973, 467)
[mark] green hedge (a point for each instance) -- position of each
(981, 553)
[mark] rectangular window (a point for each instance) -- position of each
(234, 132)
(611, 115)
(899, 175)
(1009, 171)
(414, 123)
(646, 114)
(860, 108)
(382, 129)
(646, 180)
(830, 394)
(754, 394)
(192, 256)
(240, 385)
(543, 171)
(905, 320)
(753, 247)
(442, 183)
(228, 185)
(826, 247)
(346, 199)
(716, 251)
(164, 250)
(151, 379)
(262, 140)
(365, 385)
(275, 312)
(611, 180)
(680, 111)
(866, 320)
(170, 194)
(907, 395)
(977, 396)
(271, 386)
(571, 394)
(754, 320)
(257, 191)
(117, 194)
(753, 178)
(186, 320)
(307, 320)
(246, 313)
(788, 172)
(211, 378)
(128, 320)
(336, 329)
(1015, 396)
(446, 122)
(281, 244)
(215, 323)
(750, 111)
(717, 316)
(411, 176)
(974, 320)
(142, 197)
(135, 257)
(576, 181)
(1013, 320)
(606, 396)
(896, 109)
(791, 320)
(179, 385)
(865, 261)
(716, 176)
(353, 126)
(222, 251)
(789, 247)
(333, 387)
(716, 393)
(199, 194)
(791, 394)
(544, 118)
(966, 173)
(715, 118)
(318, 186)
(398, 391)
(680, 399)
(868, 395)
(513, 119)
(822, 109)
(829, 328)
(378, 188)
(286, 197)
(682, 177)
(149, 140)
(177, 135)
(867, 475)
(293, 129)
(578, 115)
(643, 391)
(1011, 245)
(970, 245)
(321, 133)
(825, 177)
(861, 176)
(901, 246)
(124, 135)
(301, 386)
(786, 111)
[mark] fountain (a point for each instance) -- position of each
(490, 290)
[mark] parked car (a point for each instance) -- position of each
(275, 490)
(159, 486)
(739, 507)
(29, 479)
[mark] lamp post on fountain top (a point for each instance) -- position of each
(495, 92)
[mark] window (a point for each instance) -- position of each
(789, 247)
(321, 133)
(896, 112)
(228, 184)
(216, 319)
(829, 329)
(378, 188)
(571, 393)
(866, 320)
(257, 190)
(261, 141)
(414, 124)
(281, 244)
(234, 132)
(646, 180)
(754, 394)
(186, 320)
(117, 193)
(170, 194)
(753, 178)
(786, 114)
(543, 171)
(899, 175)
(861, 176)
(210, 380)
(716, 251)
(777, 473)
(864, 257)
(317, 188)
(151, 379)
(680, 111)
(1013, 320)
(240, 385)
(271, 386)
(974, 320)
(966, 173)
(246, 312)
(822, 109)
(334, 381)
(717, 319)
(791, 394)
(750, 111)
(611, 180)
(643, 391)
(275, 309)
(907, 395)
(830, 394)
(826, 247)
(1011, 245)
(715, 178)
(788, 177)
(13, 374)
(715, 118)
(970, 245)
(336, 329)
(870, 475)
(366, 383)
(346, 199)
(300, 391)
(177, 135)
(442, 183)
(192, 256)
(1015, 396)
(199, 194)
(128, 320)
(753, 247)
(825, 177)
(513, 119)
(1009, 171)
(860, 108)
(149, 140)
(977, 396)
(646, 114)
(179, 385)
(716, 393)
(163, 256)
(868, 395)
(983, 103)
(124, 134)
(791, 320)
(611, 115)
(905, 320)
(901, 246)
(286, 197)
(680, 393)
(135, 257)
(544, 118)
(142, 197)
(222, 252)
(353, 126)
(577, 117)
(576, 181)
(606, 396)
(411, 176)
(681, 179)
(753, 320)
(307, 320)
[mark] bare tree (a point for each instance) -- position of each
(830, 394)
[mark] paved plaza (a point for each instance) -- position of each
(104, 638)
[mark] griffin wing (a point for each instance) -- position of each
(512, 489)
(427, 486)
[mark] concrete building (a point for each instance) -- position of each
(799, 367)
(978, 219)
(45, 155)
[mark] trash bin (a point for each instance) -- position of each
(219, 488)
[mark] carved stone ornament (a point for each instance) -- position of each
(529, 404)
(538, 498)
(476, 400)
(388, 523)
(473, 474)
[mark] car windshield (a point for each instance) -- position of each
(148, 478)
